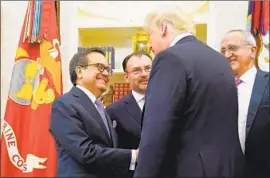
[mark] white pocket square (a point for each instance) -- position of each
(114, 124)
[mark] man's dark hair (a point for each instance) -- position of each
(138, 54)
(79, 59)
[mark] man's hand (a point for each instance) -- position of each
(137, 154)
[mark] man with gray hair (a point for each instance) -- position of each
(239, 47)
(190, 118)
(85, 140)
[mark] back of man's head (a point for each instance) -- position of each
(171, 15)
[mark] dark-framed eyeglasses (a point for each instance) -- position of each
(101, 68)
(138, 71)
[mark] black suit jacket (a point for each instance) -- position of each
(190, 126)
(83, 144)
(257, 149)
(127, 115)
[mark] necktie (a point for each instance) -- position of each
(237, 81)
(101, 111)
(141, 102)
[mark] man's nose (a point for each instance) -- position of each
(105, 72)
(144, 73)
(227, 54)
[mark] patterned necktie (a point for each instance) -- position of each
(237, 81)
(101, 111)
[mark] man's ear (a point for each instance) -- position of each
(163, 30)
(253, 52)
(78, 71)
(126, 77)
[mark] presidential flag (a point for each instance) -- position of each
(27, 148)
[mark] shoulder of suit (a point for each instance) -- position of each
(115, 105)
(66, 98)
(263, 72)
(118, 104)
(170, 55)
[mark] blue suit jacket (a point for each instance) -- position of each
(190, 125)
(83, 144)
(128, 116)
(257, 149)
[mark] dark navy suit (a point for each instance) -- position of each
(128, 116)
(84, 146)
(257, 144)
(190, 125)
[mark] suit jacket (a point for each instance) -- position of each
(83, 144)
(127, 115)
(257, 152)
(190, 126)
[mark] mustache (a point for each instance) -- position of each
(145, 79)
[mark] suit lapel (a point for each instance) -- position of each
(112, 132)
(132, 107)
(256, 97)
(91, 109)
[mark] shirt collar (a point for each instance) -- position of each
(249, 75)
(91, 96)
(138, 96)
(179, 37)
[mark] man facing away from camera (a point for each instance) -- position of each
(85, 139)
(239, 47)
(190, 120)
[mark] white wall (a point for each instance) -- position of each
(12, 16)
(228, 15)
(224, 15)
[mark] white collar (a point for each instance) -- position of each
(91, 96)
(249, 75)
(179, 37)
(138, 96)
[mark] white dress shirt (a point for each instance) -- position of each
(93, 98)
(139, 98)
(244, 90)
(179, 37)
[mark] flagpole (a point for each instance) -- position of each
(57, 6)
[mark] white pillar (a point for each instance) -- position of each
(69, 38)
(211, 25)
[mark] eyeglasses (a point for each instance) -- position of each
(138, 71)
(232, 49)
(101, 68)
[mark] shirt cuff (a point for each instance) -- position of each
(133, 160)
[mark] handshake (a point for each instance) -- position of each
(137, 154)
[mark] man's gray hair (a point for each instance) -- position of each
(249, 38)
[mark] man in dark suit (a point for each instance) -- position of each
(239, 47)
(190, 119)
(127, 112)
(85, 140)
